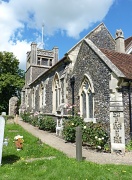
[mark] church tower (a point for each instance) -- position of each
(39, 61)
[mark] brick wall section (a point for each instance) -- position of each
(89, 63)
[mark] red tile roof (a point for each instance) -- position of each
(128, 41)
(122, 61)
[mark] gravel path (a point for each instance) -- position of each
(70, 149)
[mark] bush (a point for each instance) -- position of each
(93, 134)
(69, 131)
(26, 117)
(46, 123)
(34, 120)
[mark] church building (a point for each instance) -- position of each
(94, 76)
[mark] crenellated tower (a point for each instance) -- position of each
(39, 61)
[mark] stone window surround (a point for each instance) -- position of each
(56, 92)
(40, 59)
(82, 88)
(42, 95)
(33, 98)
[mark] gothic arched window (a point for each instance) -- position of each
(42, 94)
(56, 92)
(33, 98)
(86, 99)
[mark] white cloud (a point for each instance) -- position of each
(20, 48)
(71, 17)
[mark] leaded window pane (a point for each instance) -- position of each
(56, 99)
(87, 85)
(84, 104)
(44, 96)
(90, 105)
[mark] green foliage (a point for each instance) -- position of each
(8, 117)
(26, 117)
(34, 120)
(46, 123)
(69, 131)
(11, 79)
(129, 146)
(16, 164)
(93, 134)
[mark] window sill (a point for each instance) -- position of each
(90, 120)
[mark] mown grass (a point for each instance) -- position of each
(15, 167)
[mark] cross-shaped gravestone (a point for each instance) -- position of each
(2, 126)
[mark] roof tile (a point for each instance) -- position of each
(122, 61)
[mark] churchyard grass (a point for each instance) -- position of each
(24, 165)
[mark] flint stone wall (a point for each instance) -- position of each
(47, 80)
(89, 63)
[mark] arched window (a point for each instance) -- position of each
(86, 99)
(56, 92)
(33, 98)
(42, 94)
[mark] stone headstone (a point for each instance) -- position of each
(2, 126)
(13, 106)
(3, 113)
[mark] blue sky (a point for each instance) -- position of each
(65, 23)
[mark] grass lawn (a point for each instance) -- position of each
(16, 165)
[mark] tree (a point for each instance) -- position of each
(11, 79)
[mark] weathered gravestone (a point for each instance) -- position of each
(13, 106)
(2, 126)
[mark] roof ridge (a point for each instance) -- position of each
(115, 51)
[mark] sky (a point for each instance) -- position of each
(65, 23)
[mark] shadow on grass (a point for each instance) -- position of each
(10, 159)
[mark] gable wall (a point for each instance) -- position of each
(89, 63)
(102, 39)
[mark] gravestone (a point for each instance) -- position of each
(2, 126)
(13, 106)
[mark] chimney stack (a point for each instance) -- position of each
(120, 44)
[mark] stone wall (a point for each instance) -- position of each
(33, 72)
(89, 63)
(47, 80)
(102, 38)
(126, 113)
(36, 71)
